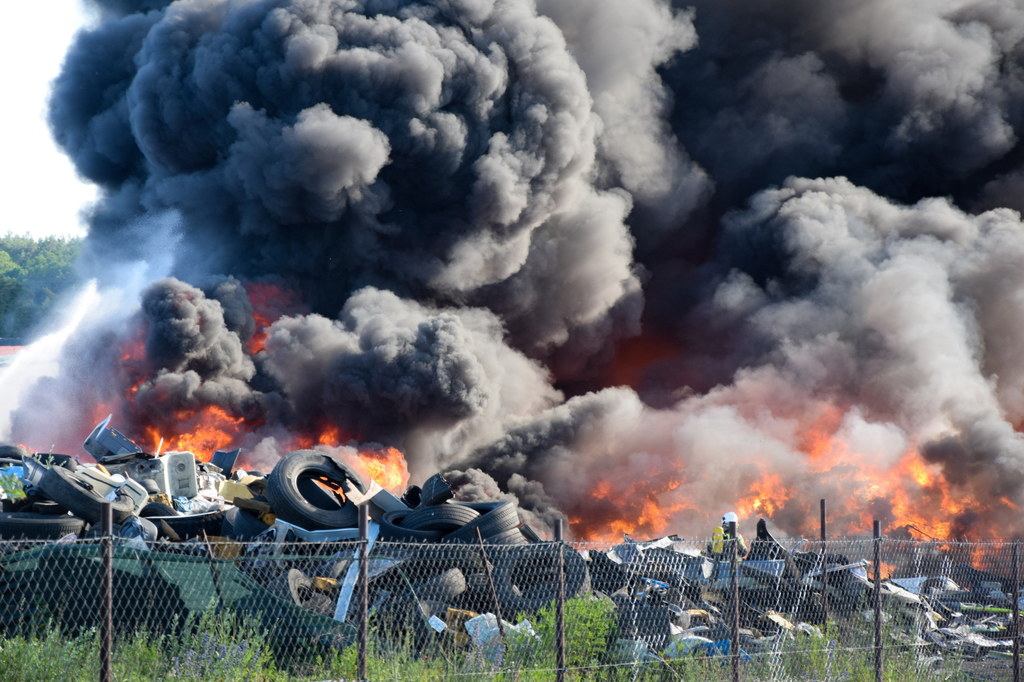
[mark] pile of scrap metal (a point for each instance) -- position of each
(685, 579)
(307, 497)
(286, 538)
(171, 496)
(439, 569)
(673, 599)
(973, 619)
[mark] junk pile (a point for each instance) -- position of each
(673, 599)
(279, 547)
(307, 497)
(285, 538)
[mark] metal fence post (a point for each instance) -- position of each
(824, 570)
(560, 607)
(107, 603)
(1015, 570)
(490, 582)
(878, 599)
(734, 585)
(364, 573)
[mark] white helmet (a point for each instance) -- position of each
(730, 517)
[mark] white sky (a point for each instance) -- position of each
(40, 194)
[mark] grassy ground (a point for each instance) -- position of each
(216, 647)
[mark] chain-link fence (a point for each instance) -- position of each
(666, 609)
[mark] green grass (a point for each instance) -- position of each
(212, 648)
(216, 646)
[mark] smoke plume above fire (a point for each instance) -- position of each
(632, 264)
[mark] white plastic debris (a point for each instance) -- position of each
(683, 645)
(484, 633)
(437, 624)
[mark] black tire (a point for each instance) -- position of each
(392, 528)
(192, 525)
(165, 532)
(526, 578)
(296, 498)
(445, 518)
(508, 537)
(29, 526)
(77, 494)
(241, 524)
(158, 509)
(48, 507)
(444, 587)
(435, 490)
(12, 452)
(495, 518)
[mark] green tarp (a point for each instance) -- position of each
(61, 584)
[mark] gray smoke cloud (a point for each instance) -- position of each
(918, 100)
(624, 263)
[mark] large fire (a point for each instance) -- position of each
(208, 428)
(629, 507)
(911, 497)
(202, 433)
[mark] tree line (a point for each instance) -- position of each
(33, 275)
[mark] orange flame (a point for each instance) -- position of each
(767, 496)
(269, 303)
(386, 466)
(628, 507)
(201, 433)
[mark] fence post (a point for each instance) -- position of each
(560, 607)
(878, 599)
(364, 579)
(1016, 614)
(734, 585)
(824, 570)
(107, 607)
(490, 582)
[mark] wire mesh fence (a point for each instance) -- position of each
(665, 609)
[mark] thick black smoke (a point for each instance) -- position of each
(615, 259)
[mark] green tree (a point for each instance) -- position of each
(33, 275)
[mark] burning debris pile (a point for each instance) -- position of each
(447, 573)
(175, 496)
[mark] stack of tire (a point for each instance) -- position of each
(308, 488)
(64, 503)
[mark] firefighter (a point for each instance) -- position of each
(717, 546)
